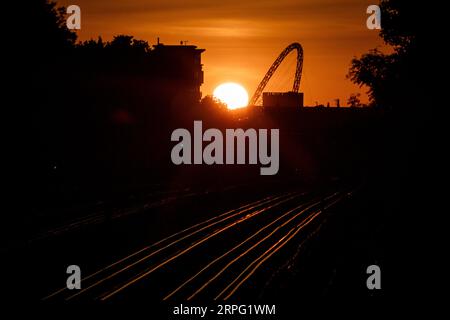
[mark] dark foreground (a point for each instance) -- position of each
(236, 245)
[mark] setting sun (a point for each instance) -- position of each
(232, 94)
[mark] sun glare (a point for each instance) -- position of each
(232, 94)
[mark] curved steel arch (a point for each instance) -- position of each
(274, 67)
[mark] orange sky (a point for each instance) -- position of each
(242, 38)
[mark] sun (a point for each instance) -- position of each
(232, 94)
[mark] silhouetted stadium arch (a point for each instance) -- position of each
(274, 67)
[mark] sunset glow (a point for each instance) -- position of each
(243, 38)
(232, 94)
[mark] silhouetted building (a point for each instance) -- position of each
(179, 68)
(283, 99)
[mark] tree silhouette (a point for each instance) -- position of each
(43, 25)
(126, 43)
(354, 101)
(395, 80)
(121, 42)
(92, 44)
(402, 23)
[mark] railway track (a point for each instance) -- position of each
(209, 260)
